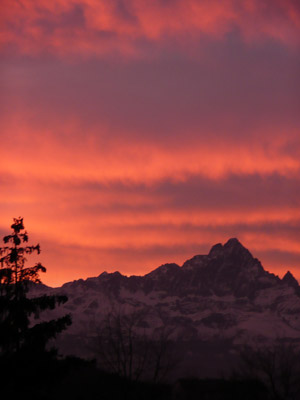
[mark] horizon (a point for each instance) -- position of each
(180, 265)
(135, 133)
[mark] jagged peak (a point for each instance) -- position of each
(75, 282)
(115, 273)
(290, 280)
(194, 261)
(216, 249)
(164, 268)
(288, 274)
(233, 245)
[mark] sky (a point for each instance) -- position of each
(135, 132)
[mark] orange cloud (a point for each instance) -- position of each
(102, 26)
(84, 229)
(45, 155)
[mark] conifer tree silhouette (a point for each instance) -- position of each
(17, 334)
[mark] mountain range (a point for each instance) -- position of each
(225, 296)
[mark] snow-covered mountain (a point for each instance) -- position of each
(225, 295)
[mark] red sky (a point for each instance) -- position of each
(137, 132)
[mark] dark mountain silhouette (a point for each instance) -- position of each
(225, 296)
(228, 269)
(290, 280)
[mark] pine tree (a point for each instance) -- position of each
(17, 333)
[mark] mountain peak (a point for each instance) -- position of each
(233, 243)
(232, 246)
(290, 280)
(216, 250)
(164, 269)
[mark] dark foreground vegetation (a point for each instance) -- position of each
(31, 369)
(47, 378)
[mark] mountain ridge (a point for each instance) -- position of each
(226, 269)
(233, 246)
(223, 295)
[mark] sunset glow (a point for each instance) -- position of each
(137, 132)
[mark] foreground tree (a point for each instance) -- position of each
(124, 348)
(276, 365)
(17, 333)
